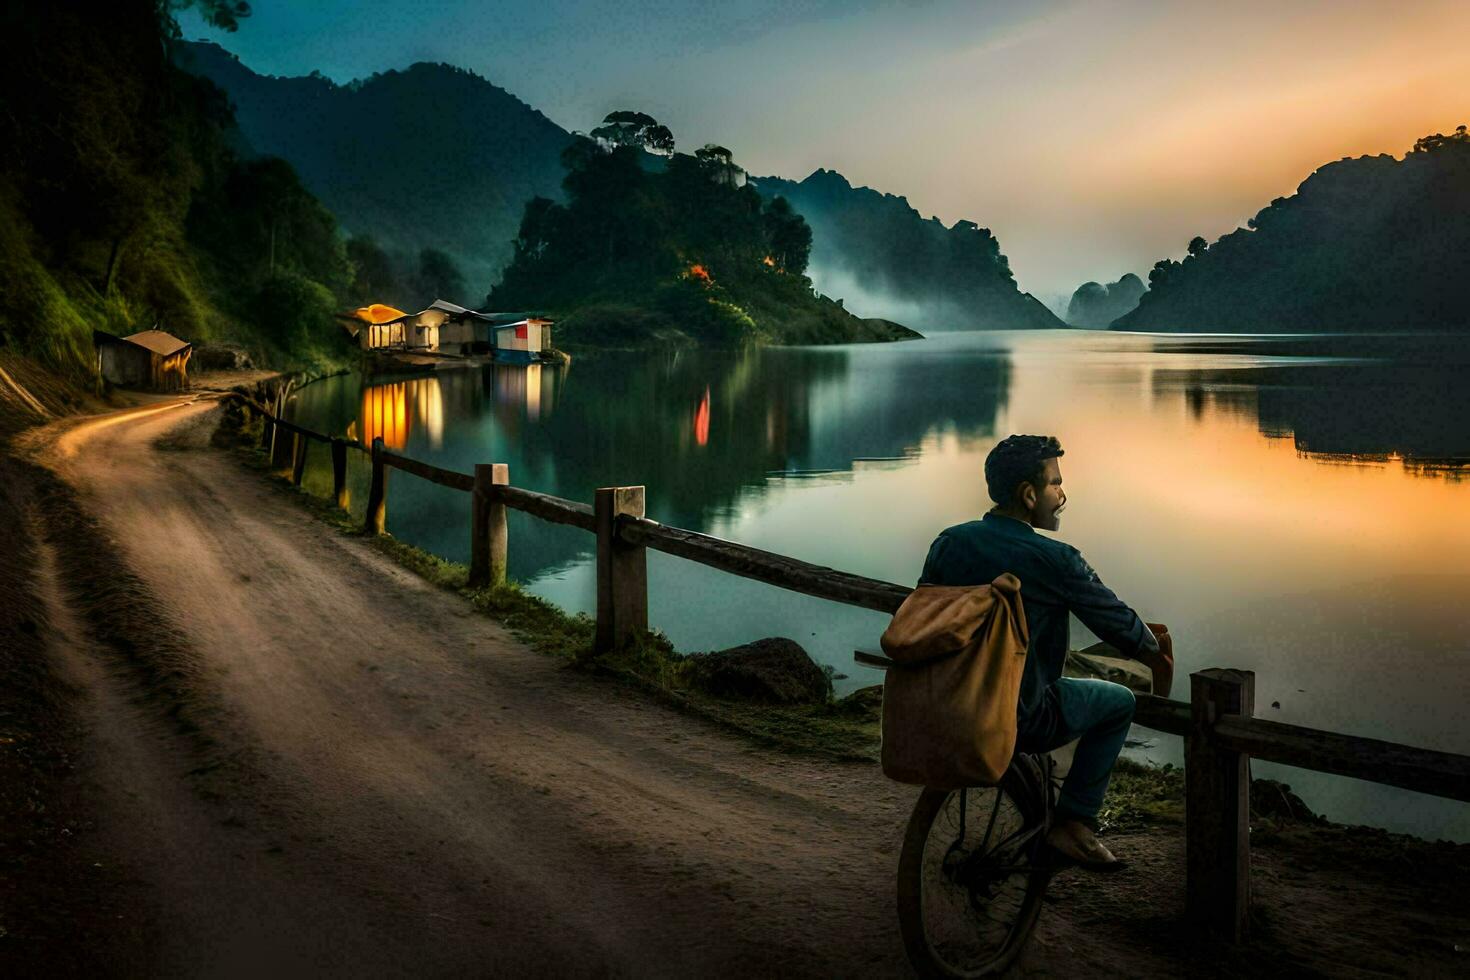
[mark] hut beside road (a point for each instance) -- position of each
(151, 359)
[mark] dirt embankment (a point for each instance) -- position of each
(303, 759)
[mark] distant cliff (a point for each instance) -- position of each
(1365, 244)
(1096, 305)
(884, 259)
(429, 157)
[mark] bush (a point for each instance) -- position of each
(295, 313)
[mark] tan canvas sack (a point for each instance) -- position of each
(949, 703)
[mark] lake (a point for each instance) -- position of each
(1296, 506)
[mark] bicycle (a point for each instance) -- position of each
(973, 869)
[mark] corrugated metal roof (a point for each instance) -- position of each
(492, 318)
(159, 342)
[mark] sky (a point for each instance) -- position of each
(1094, 138)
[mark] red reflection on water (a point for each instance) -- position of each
(701, 420)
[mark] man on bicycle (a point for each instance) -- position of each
(1025, 481)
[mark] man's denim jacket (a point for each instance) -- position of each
(1055, 581)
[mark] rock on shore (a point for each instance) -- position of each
(773, 670)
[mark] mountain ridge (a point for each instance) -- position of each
(334, 135)
(902, 265)
(1369, 243)
(492, 151)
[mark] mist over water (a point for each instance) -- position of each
(1287, 505)
(870, 299)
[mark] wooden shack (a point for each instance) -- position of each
(523, 340)
(465, 331)
(150, 359)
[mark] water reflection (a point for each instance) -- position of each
(392, 411)
(1409, 404)
(1201, 492)
(699, 429)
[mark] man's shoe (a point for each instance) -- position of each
(1072, 844)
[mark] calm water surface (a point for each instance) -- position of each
(1294, 506)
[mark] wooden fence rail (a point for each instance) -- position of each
(1220, 734)
(764, 566)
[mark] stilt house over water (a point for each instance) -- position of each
(150, 359)
(447, 328)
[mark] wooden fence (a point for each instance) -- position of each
(1220, 734)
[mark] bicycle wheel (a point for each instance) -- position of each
(969, 884)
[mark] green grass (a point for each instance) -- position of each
(1141, 794)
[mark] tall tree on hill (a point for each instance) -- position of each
(636, 129)
(789, 235)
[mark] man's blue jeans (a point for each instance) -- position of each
(1097, 712)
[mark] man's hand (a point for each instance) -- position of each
(1161, 663)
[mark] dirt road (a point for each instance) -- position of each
(394, 783)
(306, 760)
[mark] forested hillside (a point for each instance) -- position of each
(428, 157)
(124, 203)
(1372, 243)
(677, 251)
(906, 266)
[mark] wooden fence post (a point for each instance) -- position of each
(339, 473)
(276, 432)
(622, 571)
(487, 526)
(267, 432)
(298, 459)
(377, 505)
(1217, 806)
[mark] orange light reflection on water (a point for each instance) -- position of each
(392, 411)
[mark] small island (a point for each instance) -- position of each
(658, 248)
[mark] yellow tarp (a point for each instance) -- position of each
(377, 313)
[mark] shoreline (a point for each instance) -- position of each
(1313, 879)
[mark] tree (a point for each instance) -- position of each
(1428, 144)
(1161, 273)
(788, 235)
(1198, 246)
(374, 279)
(259, 222)
(713, 153)
(538, 227)
(224, 14)
(295, 312)
(628, 128)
